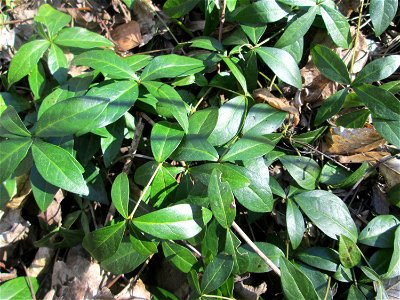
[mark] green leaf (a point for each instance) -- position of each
(221, 200)
(230, 117)
(53, 19)
(57, 63)
(12, 123)
(77, 37)
(378, 69)
(249, 148)
(207, 43)
(195, 148)
(254, 32)
(121, 95)
(107, 62)
(165, 138)
(71, 116)
(179, 256)
(379, 232)
(333, 174)
(262, 119)
(304, 170)
(349, 253)
(216, 273)
(138, 61)
(355, 293)
(236, 72)
(120, 194)
(58, 167)
(328, 213)
(177, 222)
(170, 103)
(26, 59)
(294, 223)
(295, 283)
(260, 12)
(337, 26)
(288, 72)
(394, 266)
(37, 80)
(140, 242)
(330, 106)
(298, 2)
(353, 177)
(18, 288)
(382, 13)
(111, 143)
(388, 129)
(298, 28)
(330, 64)
(178, 8)
(354, 119)
(319, 281)
(296, 49)
(103, 243)
(163, 185)
(202, 122)
(253, 263)
(320, 257)
(310, 136)
(171, 65)
(43, 191)
(12, 152)
(124, 260)
(257, 196)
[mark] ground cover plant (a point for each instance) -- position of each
(256, 156)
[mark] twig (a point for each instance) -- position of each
(256, 249)
(29, 281)
(147, 118)
(134, 145)
(15, 22)
(222, 19)
(357, 35)
(93, 216)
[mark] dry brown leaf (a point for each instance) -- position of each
(138, 291)
(8, 276)
(52, 215)
(347, 141)
(145, 16)
(264, 96)
(371, 156)
(347, 7)
(41, 261)
(127, 36)
(379, 202)
(392, 288)
(390, 169)
(12, 227)
(249, 292)
(23, 190)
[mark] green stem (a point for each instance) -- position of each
(269, 80)
(268, 39)
(357, 36)
(200, 100)
(145, 191)
(327, 288)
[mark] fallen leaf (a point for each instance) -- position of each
(392, 288)
(371, 156)
(144, 12)
(347, 141)
(347, 7)
(23, 190)
(13, 228)
(390, 170)
(52, 215)
(42, 259)
(127, 36)
(137, 291)
(248, 292)
(379, 201)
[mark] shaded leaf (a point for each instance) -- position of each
(382, 13)
(12, 152)
(179, 256)
(165, 138)
(337, 26)
(379, 232)
(216, 272)
(12, 123)
(349, 253)
(295, 224)
(43, 191)
(120, 194)
(304, 170)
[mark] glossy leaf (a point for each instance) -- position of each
(254, 32)
(178, 8)
(124, 260)
(207, 43)
(165, 138)
(176, 222)
(352, 179)
(170, 103)
(18, 288)
(11, 122)
(57, 63)
(53, 19)
(349, 253)
(330, 64)
(330, 106)
(112, 141)
(230, 117)
(294, 223)
(354, 119)
(37, 79)
(253, 262)
(163, 185)
(355, 293)
(107, 62)
(236, 72)
(378, 69)
(249, 148)
(298, 2)
(328, 213)
(103, 243)
(195, 148)
(320, 257)
(394, 266)
(382, 13)
(288, 72)
(43, 191)
(179, 256)
(137, 61)
(221, 200)
(298, 28)
(58, 167)
(171, 65)
(216, 272)
(337, 26)
(12, 152)
(304, 170)
(260, 12)
(388, 129)
(203, 122)
(70, 116)
(262, 119)
(295, 283)
(78, 37)
(120, 194)
(26, 59)
(379, 232)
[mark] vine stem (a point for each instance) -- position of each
(222, 19)
(256, 249)
(357, 36)
(145, 190)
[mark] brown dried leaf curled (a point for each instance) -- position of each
(127, 36)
